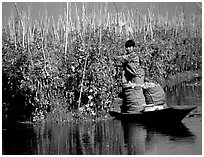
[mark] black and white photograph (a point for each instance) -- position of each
(101, 78)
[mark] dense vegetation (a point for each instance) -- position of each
(68, 69)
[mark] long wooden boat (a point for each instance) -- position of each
(166, 116)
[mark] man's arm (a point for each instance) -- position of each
(129, 57)
(124, 80)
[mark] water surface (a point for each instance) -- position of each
(112, 137)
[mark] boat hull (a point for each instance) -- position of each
(168, 115)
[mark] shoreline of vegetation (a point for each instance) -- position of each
(68, 69)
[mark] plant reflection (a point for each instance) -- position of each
(143, 139)
(111, 137)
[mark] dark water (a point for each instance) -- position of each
(110, 137)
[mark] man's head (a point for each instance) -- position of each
(129, 46)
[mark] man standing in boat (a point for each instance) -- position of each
(133, 73)
(138, 96)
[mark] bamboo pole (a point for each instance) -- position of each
(150, 23)
(21, 23)
(82, 81)
(29, 37)
(83, 44)
(66, 36)
(100, 30)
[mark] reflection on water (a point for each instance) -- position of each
(142, 139)
(110, 137)
(106, 137)
(134, 136)
(18, 139)
(184, 95)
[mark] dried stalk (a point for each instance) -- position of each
(86, 59)
(66, 44)
(82, 81)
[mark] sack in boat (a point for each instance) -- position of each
(154, 95)
(133, 100)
